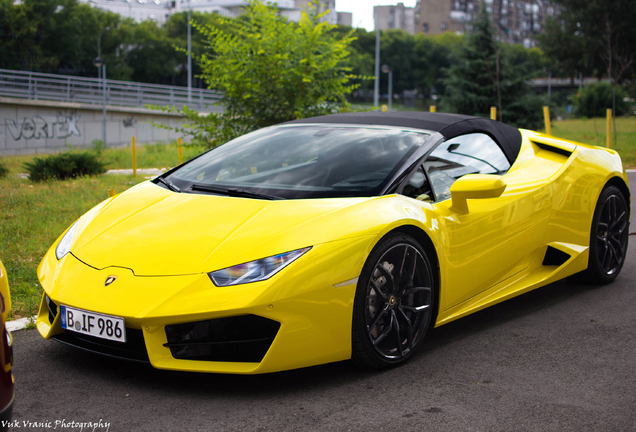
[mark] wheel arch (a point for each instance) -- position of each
(425, 241)
(622, 186)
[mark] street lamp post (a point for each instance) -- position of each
(189, 57)
(549, 82)
(99, 63)
(376, 90)
(387, 69)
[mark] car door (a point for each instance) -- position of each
(494, 239)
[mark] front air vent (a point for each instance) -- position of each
(555, 257)
(243, 338)
(52, 307)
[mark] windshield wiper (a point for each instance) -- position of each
(169, 184)
(236, 192)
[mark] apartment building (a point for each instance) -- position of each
(138, 10)
(345, 18)
(514, 21)
(395, 17)
(160, 10)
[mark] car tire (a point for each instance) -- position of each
(608, 237)
(394, 303)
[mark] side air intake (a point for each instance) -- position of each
(561, 147)
(553, 149)
(555, 257)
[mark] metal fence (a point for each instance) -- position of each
(64, 88)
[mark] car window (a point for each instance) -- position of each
(418, 186)
(467, 154)
(304, 161)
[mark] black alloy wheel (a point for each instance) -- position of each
(609, 236)
(394, 303)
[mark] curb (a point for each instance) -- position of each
(19, 324)
(140, 171)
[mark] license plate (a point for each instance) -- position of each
(93, 324)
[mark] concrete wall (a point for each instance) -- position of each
(28, 126)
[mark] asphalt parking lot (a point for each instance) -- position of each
(559, 358)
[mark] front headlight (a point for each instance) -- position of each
(255, 271)
(64, 246)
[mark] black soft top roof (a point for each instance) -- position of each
(449, 125)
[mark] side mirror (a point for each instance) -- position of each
(475, 186)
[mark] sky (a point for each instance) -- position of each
(363, 9)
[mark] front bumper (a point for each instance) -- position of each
(295, 319)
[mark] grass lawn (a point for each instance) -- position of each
(33, 215)
(592, 131)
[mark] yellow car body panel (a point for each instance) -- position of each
(5, 305)
(486, 255)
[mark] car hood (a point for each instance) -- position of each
(153, 231)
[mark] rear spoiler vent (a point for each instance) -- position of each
(555, 257)
(563, 148)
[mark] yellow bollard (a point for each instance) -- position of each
(493, 113)
(180, 150)
(134, 157)
(111, 193)
(432, 108)
(609, 128)
(384, 108)
(546, 120)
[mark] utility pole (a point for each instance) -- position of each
(189, 57)
(376, 91)
(101, 65)
(387, 70)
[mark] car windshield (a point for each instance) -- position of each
(308, 161)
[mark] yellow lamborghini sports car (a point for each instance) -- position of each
(339, 237)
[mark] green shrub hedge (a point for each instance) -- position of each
(63, 166)
(4, 171)
(595, 99)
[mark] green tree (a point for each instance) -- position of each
(270, 71)
(361, 57)
(176, 29)
(435, 53)
(593, 37)
(416, 61)
(485, 77)
(51, 35)
(397, 50)
(13, 26)
(145, 53)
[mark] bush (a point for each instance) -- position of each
(98, 146)
(4, 171)
(594, 100)
(63, 166)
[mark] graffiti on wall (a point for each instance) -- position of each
(129, 122)
(37, 127)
